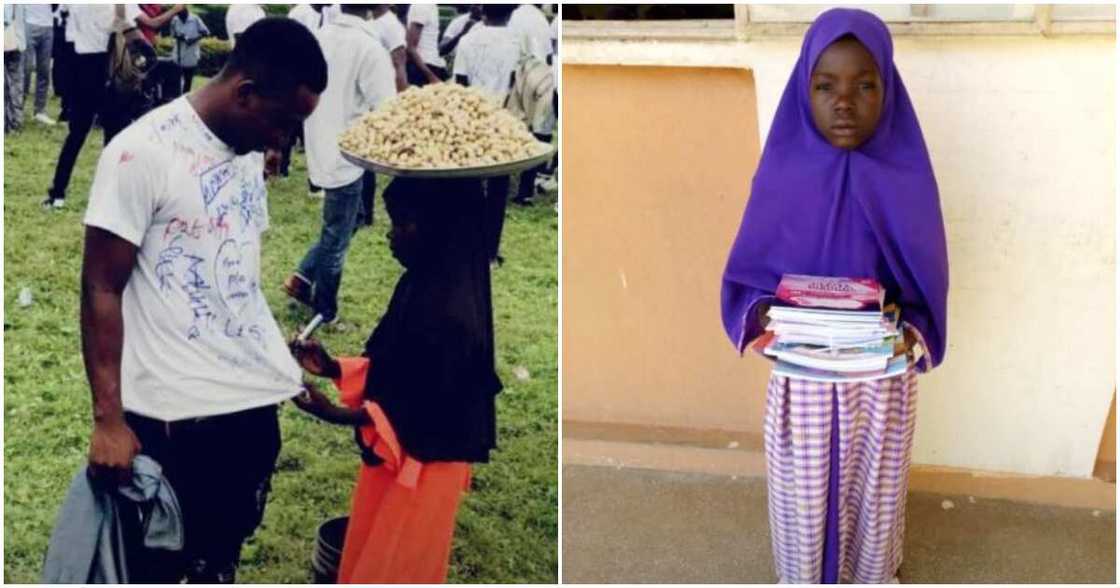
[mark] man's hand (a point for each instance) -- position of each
(106, 266)
(111, 449)
(313, 357)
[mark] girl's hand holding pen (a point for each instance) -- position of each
(314, 358)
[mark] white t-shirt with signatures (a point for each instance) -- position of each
(199, 337)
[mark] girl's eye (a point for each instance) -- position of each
(823, 87)
(867, 86)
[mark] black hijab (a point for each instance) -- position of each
(432, 353)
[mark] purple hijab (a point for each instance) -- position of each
(868, 212)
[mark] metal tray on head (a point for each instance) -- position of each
(486, 171)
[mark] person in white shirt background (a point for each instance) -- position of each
(550, 182)
(469, 16)
(425, 65)
(62, 61)
(185, 360)
(308, 15)
(313, 17)
(37, 57)
(392, 35)
(89, 26)
(15, 43)
(188, 30)
(359, 78)
(535, 36)
(486, 59)
(240, 17)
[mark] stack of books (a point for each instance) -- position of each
(832, 329)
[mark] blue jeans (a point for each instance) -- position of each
(322, 266)
(37, 60)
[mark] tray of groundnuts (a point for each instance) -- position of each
(442, 131)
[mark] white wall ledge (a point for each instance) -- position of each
(732, 30)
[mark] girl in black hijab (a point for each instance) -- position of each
(421, 397)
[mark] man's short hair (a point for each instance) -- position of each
(498, 12)
(280, 55)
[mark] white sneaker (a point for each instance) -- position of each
(548, 184)
(53, 203)
(43, 118)
(320, 194)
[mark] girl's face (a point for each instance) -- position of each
(405, 241)
(846, 94)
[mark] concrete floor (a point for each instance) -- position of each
(645, 526)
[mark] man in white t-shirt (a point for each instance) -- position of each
(37, 57)
(488, 55)
(240, 17)
(531, 26)
(469, 16)
(486, 59)
(392, 35)
(425, 65)
(307, 15)
(535, 36)
(14, 23)
(360, 77)
(89, 26)
(185, 360)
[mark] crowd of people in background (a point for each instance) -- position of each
(94, 55)
(105, 70)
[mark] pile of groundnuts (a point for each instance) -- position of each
(440, 126)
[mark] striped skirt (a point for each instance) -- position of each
(838, 465)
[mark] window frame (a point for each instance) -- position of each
(743, 28)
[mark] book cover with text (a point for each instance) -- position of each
(837, 293)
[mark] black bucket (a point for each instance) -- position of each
(328, 551)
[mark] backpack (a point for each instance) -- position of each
(530, 95)
(130, 61)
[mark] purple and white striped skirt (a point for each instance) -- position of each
(838, 466)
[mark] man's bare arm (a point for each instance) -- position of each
(413, 41)
(106, 266)
(398, 55)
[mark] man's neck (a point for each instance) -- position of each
(207, 104)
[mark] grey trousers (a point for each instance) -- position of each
(37, 60)
(13, 88)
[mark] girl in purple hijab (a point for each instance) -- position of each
(844, 188)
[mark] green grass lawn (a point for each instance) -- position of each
(507, 526)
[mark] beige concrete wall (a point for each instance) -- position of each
(1021, 133)
(657, 164)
